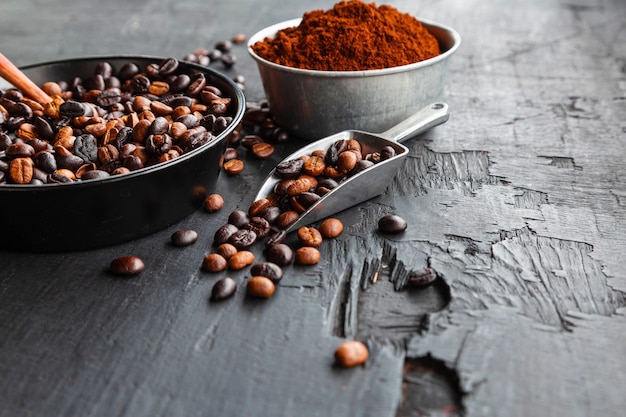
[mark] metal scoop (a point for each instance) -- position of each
(371, 181)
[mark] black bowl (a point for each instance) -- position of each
(97, 213)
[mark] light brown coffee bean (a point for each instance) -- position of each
(241, 259)
(287, 218)
(214, 262)
(262, 150)
(234, 166)
(314, 165)
(213, 202)
(21, 170)
(351, 353)
(258, 206)
(260, 287)
(226, 250)
(309, 236)
(331, 228)
(307, 255)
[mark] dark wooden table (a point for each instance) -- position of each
(518, 202)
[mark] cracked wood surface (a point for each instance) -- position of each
(518, 202)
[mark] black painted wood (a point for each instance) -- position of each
(518, 203)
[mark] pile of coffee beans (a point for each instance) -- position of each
(109, 123)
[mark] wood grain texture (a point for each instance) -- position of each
(518, 202)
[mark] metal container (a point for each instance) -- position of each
(96, 213)
(312, 104)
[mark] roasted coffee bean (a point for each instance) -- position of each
(387, 152)
(94, 174)
(351, 353)
(213, 202)
(240, 260)
(259, 225)
(19, 150)
(250, 140)
(289, 169)
(226, 250)
(262, 150)
(309, 236)
(184, 237)
(392, 223)
(242, 239)
(46, 162)
(57, 178)
(287, 218)
(214, 262)
(168, 66)
(230, 153)
(258, 206)
(275, 238)
(223, 289)
(422, 278)
(109, 97)
(86, 147)
(72, 108)
(307, 255)
(301, 184)
(280, 254)
(307, 199)
(238, 218)
(270, 214)
(332, 154)
(126, 265)
(260, 287)
(331, 228)
(224, 233)
(269, 270)
(361, 165)
(234, 166)
(21, 170)
(346, 161)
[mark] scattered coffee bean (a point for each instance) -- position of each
(184, 237)
(233, 166)
(126, 265)
(351, 353)
(309, 236)
(242, 239)
(260, 287)
(422, 278)
(223, 289)
(280, 254)
(331, 228)
(392, 223)
(307, 255)
(224, 233)
(226, 250)
(214, 262)
(269, 270)
(241, 260)
(277, 237)
(238, 218)
(213, 202)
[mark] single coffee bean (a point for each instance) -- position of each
(238, 218)
(242, 239)
(260, 287)
(270, 214)
(249, 140)
(241, 260)
(351, 353)
(214, 262)
(234, 166)
(223, 289)
(184, 237)
(309, 236)
(226, 250)
(287, 218)
(422, 278)
(262, 150)
(126, 265)
(307, 199)
(331, 228)
(269, 270)
(260, 226)
(213, 202)
(94, 174)
(307, 255)
(277, 237)
(258, 206)
(280, 254)
(21, 170)
(387, 152)
(230, 153)
(224, 233)
(289, 169)
(392, 223)
(362, 165)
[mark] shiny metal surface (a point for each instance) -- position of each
(372, 181)
(313, 104)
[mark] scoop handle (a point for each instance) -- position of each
(428, 117)
(12, 74)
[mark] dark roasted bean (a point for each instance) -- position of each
(259, 225)
(269, 270)
(126, 265)
(223, 289)
(224, 233)
(242, 239)
(392, 223)
(290, 169)
(238, 218)
(387, 152)
(277, 237)
(184, 237)
(280, 254)
(95, 174)
(86, 147)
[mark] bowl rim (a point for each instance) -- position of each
(157, 167)
(270, 31)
